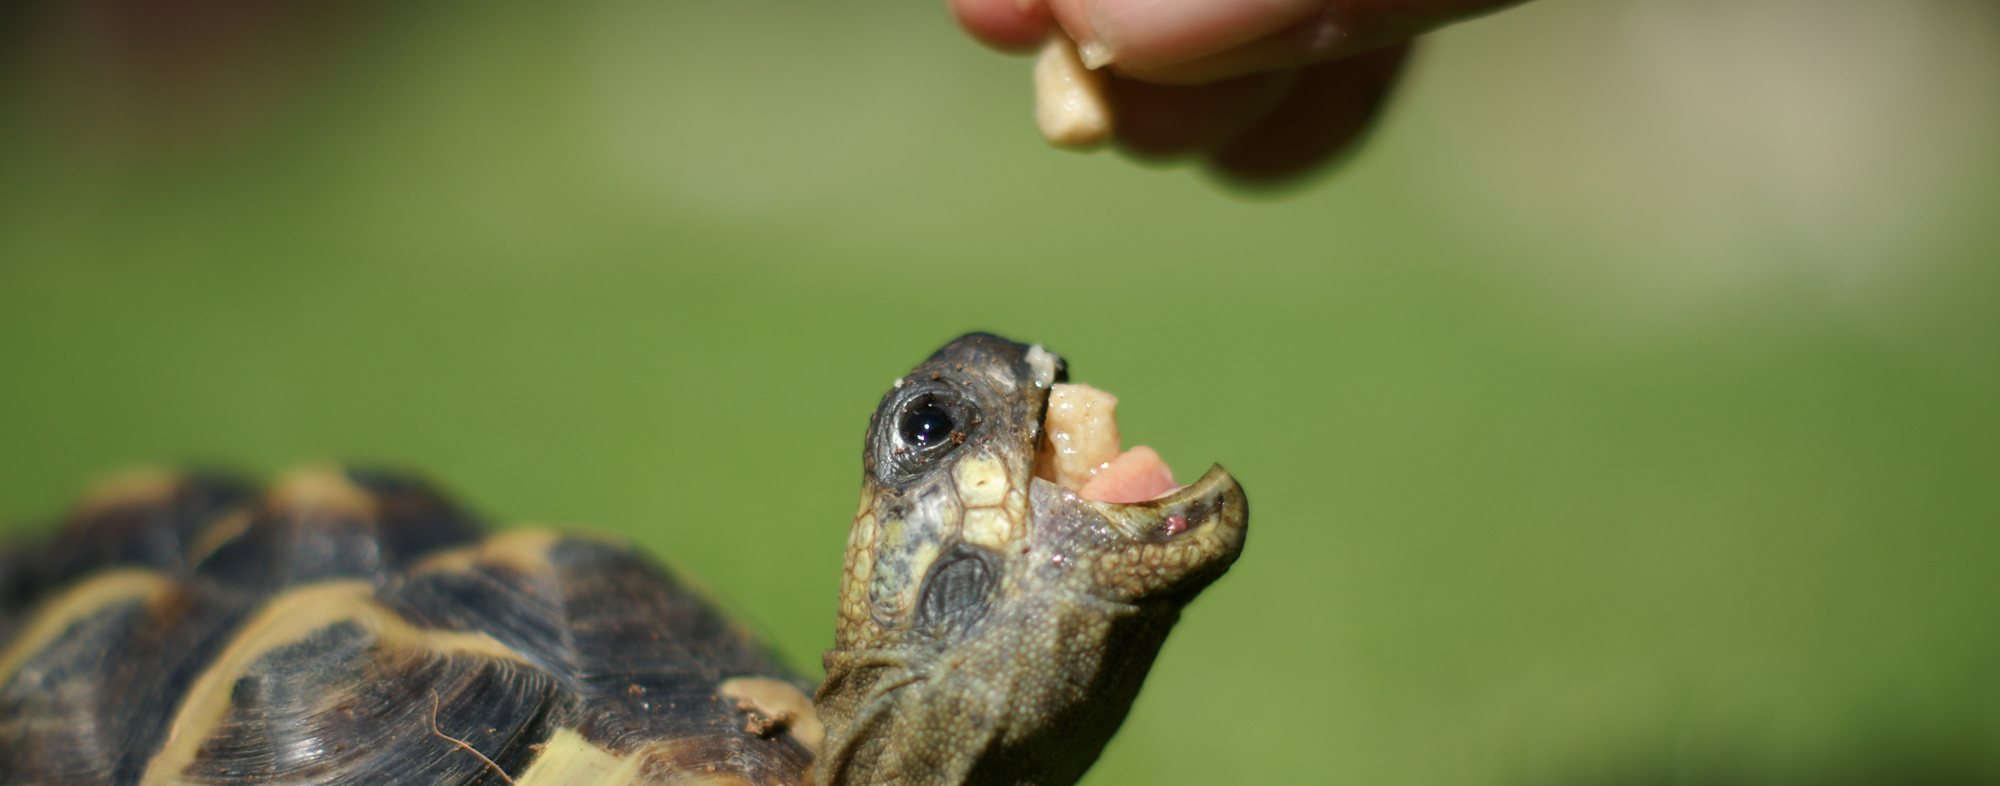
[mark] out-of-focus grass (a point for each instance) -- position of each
(1587, 444)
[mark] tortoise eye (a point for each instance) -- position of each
(927, 426)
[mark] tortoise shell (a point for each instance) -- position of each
(356, 627)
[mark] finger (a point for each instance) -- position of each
(1006, 25)
(1148, 33)
(1316, 39)
(1327, 112)
(1193, 41)
(1163, 122)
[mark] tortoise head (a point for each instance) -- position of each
(995, 627)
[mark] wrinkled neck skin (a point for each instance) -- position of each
(995, 628)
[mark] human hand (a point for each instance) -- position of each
(1262, 91)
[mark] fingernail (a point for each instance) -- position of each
(1082, 22)
(1150, 33)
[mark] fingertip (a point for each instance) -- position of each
(1006, 25)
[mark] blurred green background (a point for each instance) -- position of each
(1625, 413)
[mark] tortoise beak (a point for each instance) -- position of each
(1213, 507)
(1173, 545)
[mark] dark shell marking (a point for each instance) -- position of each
(352, 628)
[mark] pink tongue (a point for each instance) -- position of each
(1136, 475)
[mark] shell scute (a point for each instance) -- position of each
(146, 519)
(323, 524)
(88, 687)
(642, 654)
(342, 707)
(351, 627)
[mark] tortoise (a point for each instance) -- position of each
(352, 626)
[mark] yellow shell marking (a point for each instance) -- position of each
(287, 619)
(216, 534)
(567, 759)
(77, 605)
(137, 487)
(322, 489)
(524, 550)
(570, 760)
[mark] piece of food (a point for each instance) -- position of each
(1081, 450)
(1070, 102)
(1082, 433)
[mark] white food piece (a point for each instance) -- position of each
(1070, 103)
(1082, 431)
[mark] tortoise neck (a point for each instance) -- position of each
(875, 718)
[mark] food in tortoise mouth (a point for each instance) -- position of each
(356, 627)
(1080, 450)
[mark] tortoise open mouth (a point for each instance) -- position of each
(1132, 489)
